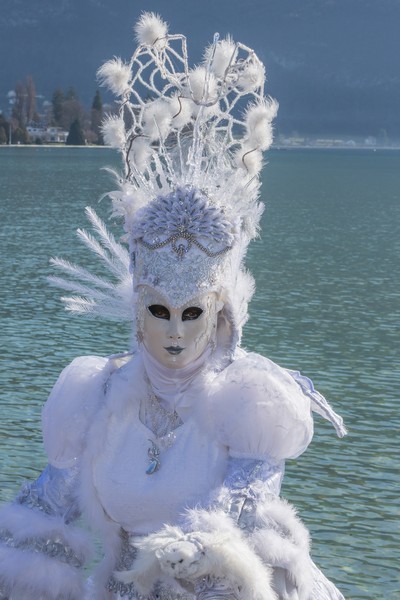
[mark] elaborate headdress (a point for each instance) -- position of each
(192, 143)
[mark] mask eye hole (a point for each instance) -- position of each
(192, 313)
(159, 312)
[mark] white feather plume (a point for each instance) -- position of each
(157, 118)
(150, 28)
(93, 295)
(258, 123)
(249, 158)
(203, 85)
(140, 152)
(116, 75)
(252, 77)
(113, 130)
(181, 111)
(224, 54)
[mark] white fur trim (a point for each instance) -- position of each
(34, 576)
(281, 540)
(216, 548)
(26, 523)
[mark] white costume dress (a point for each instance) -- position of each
(238, 427)
(173, 454)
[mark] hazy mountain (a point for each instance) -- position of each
(332, 64)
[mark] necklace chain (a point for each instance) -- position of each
(162, 422)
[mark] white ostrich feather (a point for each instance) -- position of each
(80, 273)
(117, 250)
(93, 295)
(116, 75)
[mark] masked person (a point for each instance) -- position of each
(173, 452)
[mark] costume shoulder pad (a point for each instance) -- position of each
(71, 406)
(260, 411)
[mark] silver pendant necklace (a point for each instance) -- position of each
(162, 423)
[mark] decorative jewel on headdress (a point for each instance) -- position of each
(182, 219)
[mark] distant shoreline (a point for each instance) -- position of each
(277, 147)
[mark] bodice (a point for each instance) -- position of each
(189, 469)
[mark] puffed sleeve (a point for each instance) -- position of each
(42, 549)
(259, 411)
(70, 407)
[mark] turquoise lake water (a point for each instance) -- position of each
(327, 303)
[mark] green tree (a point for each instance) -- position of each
(19, 106)
(57, 102)
(71, 94)
(96, 117)
(4, 129)
(66, 108)
(3, 135)
(30, 104)
(75, 135)
(20, 136)
(72, 109)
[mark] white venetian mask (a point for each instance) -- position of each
(175, 337)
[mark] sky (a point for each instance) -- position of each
(333, 65)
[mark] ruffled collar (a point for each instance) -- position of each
(171, 385)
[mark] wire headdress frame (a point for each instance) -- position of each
(192, 141)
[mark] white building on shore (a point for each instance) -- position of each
(47, 135)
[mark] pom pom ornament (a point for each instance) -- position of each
(258, 123)
(113, 130)
(150, 29)
(115, 75)
(252, 77)
(221, 56)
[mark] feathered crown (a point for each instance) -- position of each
(192, 143)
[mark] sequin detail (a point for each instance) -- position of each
(53, 493)
(54, 548)
(248, 481)
(213, 588)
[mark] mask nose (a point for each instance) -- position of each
(175, 328)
